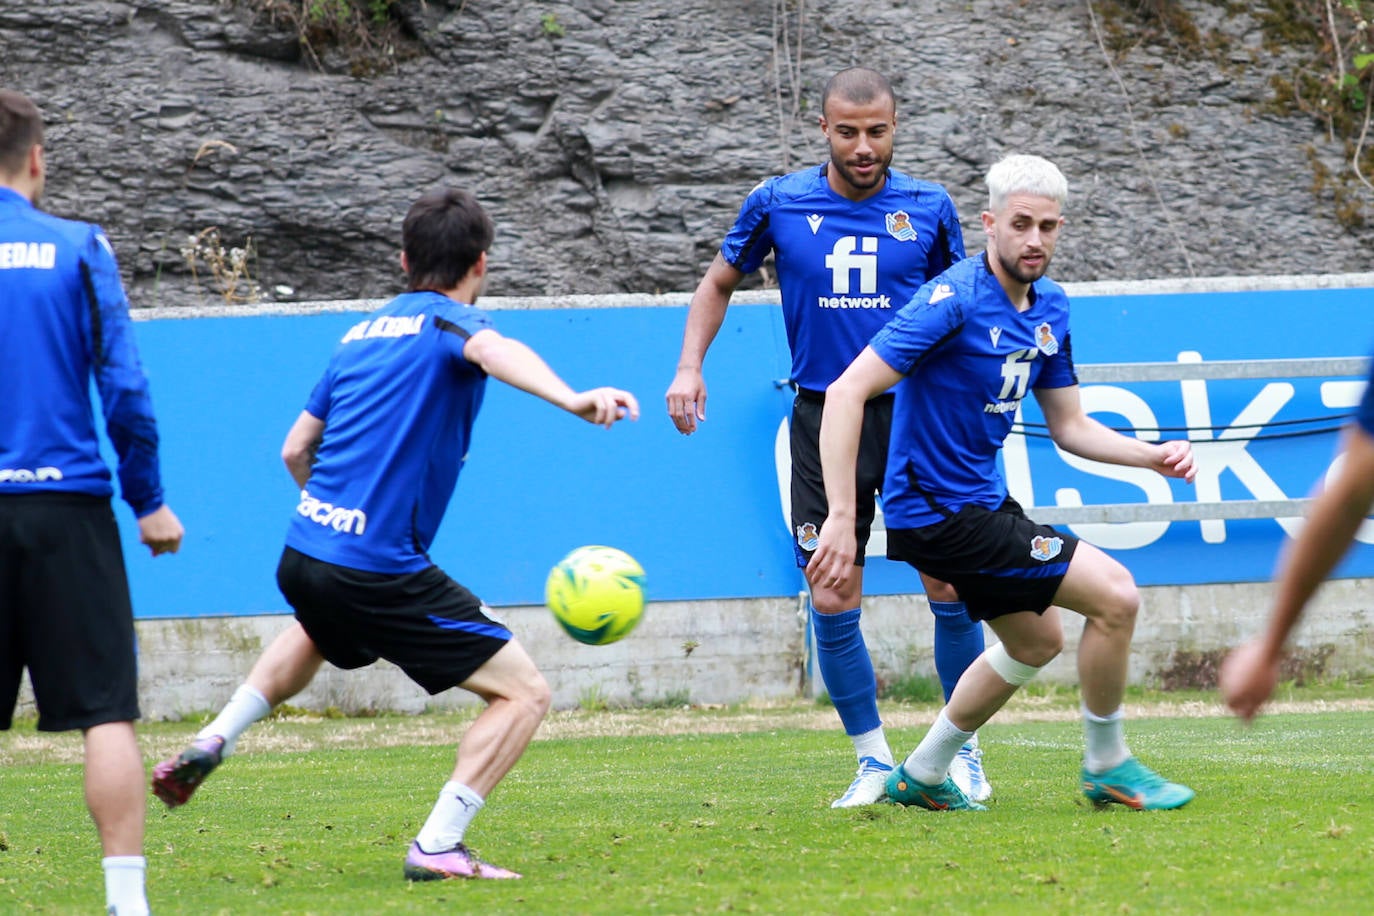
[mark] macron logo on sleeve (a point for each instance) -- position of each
(39, 255)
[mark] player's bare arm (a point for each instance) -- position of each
(515, 363)
(686, 395)
(1249, 674)
(832, 564)
(1076, 432)
(302, 441)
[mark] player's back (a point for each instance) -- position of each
(47, 429)
(398, 401)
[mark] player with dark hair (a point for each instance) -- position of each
(376, 454)
(1250, 673)
(963, 353)
(65, 611)
(852, 240)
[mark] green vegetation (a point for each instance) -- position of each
(362, 37)
(613, 815)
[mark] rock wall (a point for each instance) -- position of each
(613, 140)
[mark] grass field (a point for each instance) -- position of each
(704, 811)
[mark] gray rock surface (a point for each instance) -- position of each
(614, 155)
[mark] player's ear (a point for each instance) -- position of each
(405, 265)
(480, 268)
(989, 221)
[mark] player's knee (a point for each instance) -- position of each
(536, 696)
(1120, 600)
(936, 590)
(1017, 671)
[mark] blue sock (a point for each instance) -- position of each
(958, 641)
(847, 669)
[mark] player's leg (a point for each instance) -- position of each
(441, 635)
(841, 653)
(114, 795)
(284, 669)
(1103, 591)
(79, 647)
(1028, 642)
(958, 641)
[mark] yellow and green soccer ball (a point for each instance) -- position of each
(596, 594)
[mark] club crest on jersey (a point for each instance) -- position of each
(808, 536)
(899, 226)
(1043, 548)
(1044, 339)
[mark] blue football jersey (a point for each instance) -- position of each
(64, 319)
(398, 401)
(844, 267)
(969, 357)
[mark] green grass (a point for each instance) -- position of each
(704, 823)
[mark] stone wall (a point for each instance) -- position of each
(738, 651)
(613, 141)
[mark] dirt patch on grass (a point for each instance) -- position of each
(300, 733)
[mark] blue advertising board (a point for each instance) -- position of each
(705, 514)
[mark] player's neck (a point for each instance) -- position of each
(1017, 291)
(842, 187)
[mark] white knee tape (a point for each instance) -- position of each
(1009, 669)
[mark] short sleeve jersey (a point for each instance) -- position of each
(398, 401)
(969, 357)
(64, 319)
(844, 267)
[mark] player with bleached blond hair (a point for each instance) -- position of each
(963, 353)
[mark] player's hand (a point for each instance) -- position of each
(687, 400)
(1247, 679)
(1175, 459)
(161, 530)
(832, 563)
(604, 406)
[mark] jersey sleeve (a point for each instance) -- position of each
(750, 239)
(119, 377)
(1059, 371)
(949, 244)
(317, 405)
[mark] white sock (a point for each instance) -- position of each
(873, 744)
(929, 763)
(124, 885)
(455, 809)
(1104, 741)
(244, 708)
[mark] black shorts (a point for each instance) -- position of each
(429, 626)
(65, 612)
(998, 560)
(809, 507)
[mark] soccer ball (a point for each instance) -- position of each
(596, 594)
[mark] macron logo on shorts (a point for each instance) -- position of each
(348, 521)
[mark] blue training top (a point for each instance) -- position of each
(843, 266)
(969, 357)
(398, 401)
(64, 316)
